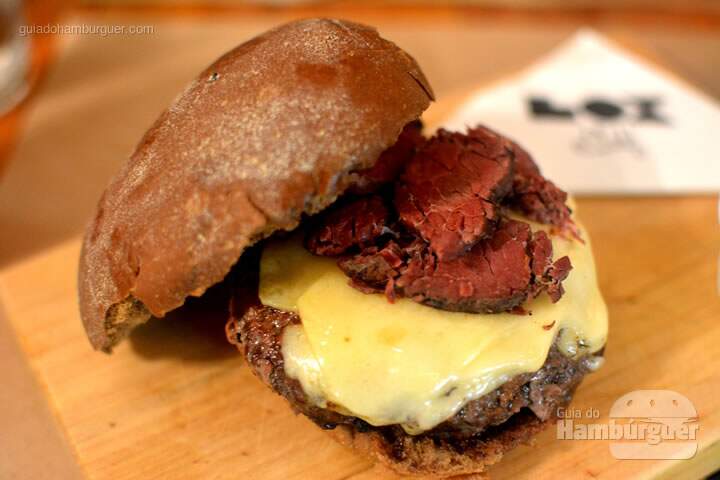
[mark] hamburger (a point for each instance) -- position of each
(428, 299)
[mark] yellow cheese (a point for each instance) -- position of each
(409, 364)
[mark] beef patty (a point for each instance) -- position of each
(257, 332)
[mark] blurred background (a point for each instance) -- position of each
(81, 80)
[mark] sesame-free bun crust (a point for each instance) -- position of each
(421, 456)
(271, 130)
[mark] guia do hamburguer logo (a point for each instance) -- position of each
(641, 425)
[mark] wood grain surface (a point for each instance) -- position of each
(175, 401)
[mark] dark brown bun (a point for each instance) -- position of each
(271, 130)
(428, 458)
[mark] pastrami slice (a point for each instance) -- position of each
(535, 196)
(450, 189)
(498, 274)
(494, 276)
(391, 162)
(374, 267)
(354, 224)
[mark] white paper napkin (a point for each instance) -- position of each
(599, 119)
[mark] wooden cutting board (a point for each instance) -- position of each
(176, 401)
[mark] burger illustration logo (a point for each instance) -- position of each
(656, 424)
(642, 425)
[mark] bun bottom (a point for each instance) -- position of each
(417, 456)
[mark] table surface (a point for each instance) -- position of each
(657, 255)
(176, 401)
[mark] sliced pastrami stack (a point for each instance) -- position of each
(497, 274)
(447, 242)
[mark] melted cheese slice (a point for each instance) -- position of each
(410, 364)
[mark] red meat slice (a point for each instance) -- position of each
(450, 189)
(354, 224)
